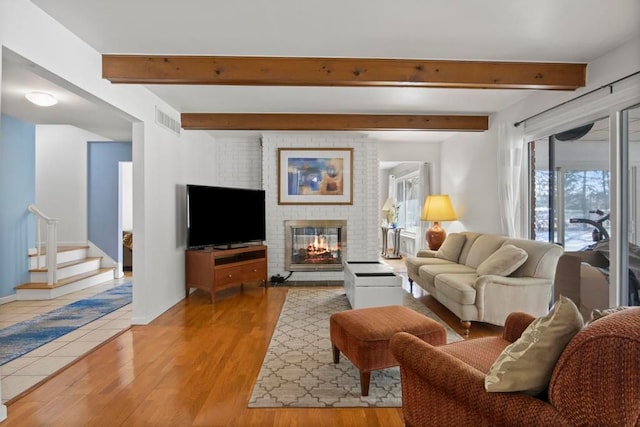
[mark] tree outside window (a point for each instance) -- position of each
(585, 193)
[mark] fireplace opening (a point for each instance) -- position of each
(315, 245)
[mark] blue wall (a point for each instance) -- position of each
(102, 198)
(17, 192)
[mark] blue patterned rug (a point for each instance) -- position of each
(21, 338)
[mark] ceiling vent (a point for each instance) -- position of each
(165, 120)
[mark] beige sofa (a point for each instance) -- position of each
(485, 277)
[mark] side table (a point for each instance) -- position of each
(395, 253)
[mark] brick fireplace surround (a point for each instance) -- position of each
(361, 218)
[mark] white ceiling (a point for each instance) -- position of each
(505, 30)
(75, 106)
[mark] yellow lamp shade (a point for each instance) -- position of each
(437, 208)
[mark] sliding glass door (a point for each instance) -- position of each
(629, 130)
(574, 196)
(570, 187)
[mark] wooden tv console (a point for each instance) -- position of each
(215, 269)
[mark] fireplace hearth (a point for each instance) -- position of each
(315, 245)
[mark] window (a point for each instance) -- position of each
(408, 197)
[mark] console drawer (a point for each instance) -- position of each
(255, 271)
(227, 275)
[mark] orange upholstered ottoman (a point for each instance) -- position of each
(363, 335)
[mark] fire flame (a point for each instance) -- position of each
(319, 246)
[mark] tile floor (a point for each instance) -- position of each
(24, 372)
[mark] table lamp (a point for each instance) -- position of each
(389, 209)
(437, 207)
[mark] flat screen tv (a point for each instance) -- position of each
(224, 216)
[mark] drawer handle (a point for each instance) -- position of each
(255, 269)
(229, 276)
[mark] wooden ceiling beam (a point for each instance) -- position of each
(334, 122)
(298, 71)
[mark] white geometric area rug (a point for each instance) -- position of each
(298, 369)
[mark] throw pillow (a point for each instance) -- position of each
(527, 364)
(451, 247)
(503, 262)
(599, 314)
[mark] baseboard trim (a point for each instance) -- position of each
(8, 299)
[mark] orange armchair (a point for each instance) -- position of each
(596, 380)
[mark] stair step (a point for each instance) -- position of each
(36, 291)
(43, 250)
(64, 254)
(63, 282)
(64, 264)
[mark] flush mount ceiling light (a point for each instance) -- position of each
(42, 99)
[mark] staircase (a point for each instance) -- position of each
(74, 271)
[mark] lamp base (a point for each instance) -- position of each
(435, 236)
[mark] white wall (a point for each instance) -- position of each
(61, 178)
(469, 176)
(199, 162)
(362, 216)
(239, 162)
(126, 195)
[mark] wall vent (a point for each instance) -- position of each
(165, 120)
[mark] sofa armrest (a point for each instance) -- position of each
(515, 325)
(438, 388)
(567, 278)
(426, 253)
(499, 296)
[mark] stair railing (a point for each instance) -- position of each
(51, 247)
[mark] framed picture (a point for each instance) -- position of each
(315, 176)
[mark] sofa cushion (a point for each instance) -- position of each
(471, 237)
(414, 263)
(542, 260)
(457, 287)
(482, 248)
(429, 272)
(479, 353)
(450, 249)
(527, 364)
(599, 314)
(503, 262)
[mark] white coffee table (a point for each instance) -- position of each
(371, 284)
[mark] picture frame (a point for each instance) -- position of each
(315, 176)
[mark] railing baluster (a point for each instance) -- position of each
(38, 240)
(51, 255)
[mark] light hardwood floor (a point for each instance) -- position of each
(194, 365)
